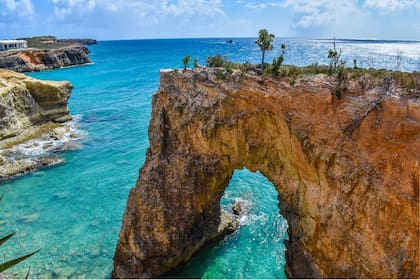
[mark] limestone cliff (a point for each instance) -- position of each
(44, 59)
(346, 170)
(29, 108)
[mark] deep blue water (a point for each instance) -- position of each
(73, 211)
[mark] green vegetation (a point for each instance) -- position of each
(277, 62)
(51, 42)
(335, 62)
(186, 61)
(216, 61)
(195, 63)
(41, 42)
(8, 264)
(265, 42)
(336, 68)
(221, 74)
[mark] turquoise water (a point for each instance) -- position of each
(73, 211)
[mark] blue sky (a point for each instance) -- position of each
(125, 19)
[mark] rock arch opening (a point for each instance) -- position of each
(256, 249)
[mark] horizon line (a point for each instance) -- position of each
(254, 37)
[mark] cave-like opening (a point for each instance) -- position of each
(256, 249)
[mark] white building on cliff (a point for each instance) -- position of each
(6, 45)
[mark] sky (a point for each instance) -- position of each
(143, 19)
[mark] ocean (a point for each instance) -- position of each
(73, 212)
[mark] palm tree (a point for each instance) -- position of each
(265, 42)
(186, 61)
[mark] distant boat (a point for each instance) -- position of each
(229, 41)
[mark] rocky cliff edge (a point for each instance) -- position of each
(29, 109)
(44, 59)
(346, 167)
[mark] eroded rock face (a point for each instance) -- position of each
(346, 170)
(39, 59)
(29, 108)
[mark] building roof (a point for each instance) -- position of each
(12, 41)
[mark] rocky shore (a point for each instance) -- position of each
(44, 59)
(34, 123)
(343, 155)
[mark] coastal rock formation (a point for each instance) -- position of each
(346, 169)
(29, 108)
(44, 59)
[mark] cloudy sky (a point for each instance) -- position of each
(131, 19)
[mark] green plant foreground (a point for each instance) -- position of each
(8, 264)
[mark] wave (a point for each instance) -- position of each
(59, 139)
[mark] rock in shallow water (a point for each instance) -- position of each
(237, 208)
(16, 168)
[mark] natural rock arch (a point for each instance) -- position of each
(256, 249)
(347, 173)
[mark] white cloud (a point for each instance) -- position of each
(143, 8)
(10, 8)
(315, 13)
(63, 8)
(392, 5)
(61, 13)
(261, 6)
(191, 7)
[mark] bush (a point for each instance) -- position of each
(196, 65)
(229, 68)
(221, 74)
(334, 57)
(244, 68)
(216, 61)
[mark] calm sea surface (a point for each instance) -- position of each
(73, 211)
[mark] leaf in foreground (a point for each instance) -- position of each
(9, 264)
(4, 239)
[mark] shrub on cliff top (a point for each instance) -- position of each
(278, 61)
(195, 63)
(335, 62)
(186, 61)
(216, 61)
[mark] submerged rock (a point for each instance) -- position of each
(237, 208)
(346, 169)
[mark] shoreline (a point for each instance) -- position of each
(40, 152)
(36, 123)
(63, 67)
